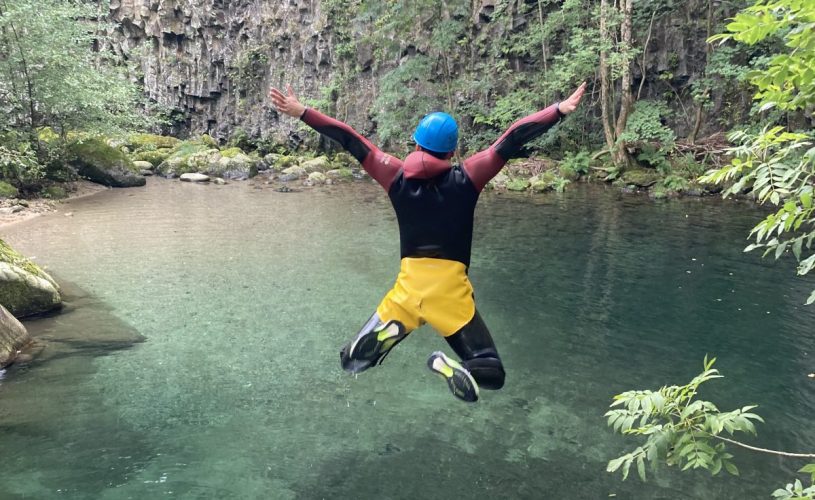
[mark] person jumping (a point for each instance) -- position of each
(434, 203)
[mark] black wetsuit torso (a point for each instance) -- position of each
(435, 215)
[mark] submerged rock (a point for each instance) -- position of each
(25, 289)
(13, 336)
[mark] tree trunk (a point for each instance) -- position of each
(621, 156)
(708, 50)
(605, 78)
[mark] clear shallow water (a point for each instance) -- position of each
(198, 355)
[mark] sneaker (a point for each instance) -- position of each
(459, 380)
(370, 347)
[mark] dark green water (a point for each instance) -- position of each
(198, 355)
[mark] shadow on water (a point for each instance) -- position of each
(85, 327)
(63, 428)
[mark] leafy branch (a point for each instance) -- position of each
(681, 430)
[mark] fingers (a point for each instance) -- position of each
(291, 92)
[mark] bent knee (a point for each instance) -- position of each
(488, 372)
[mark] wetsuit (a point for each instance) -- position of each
(434, 203)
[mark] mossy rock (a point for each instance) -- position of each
(151, 142)
(319, 164)
(209, 141)
(187, 157)
(54, 192)
(231, 152)
(155, 157)
(518, 185)
(25, 289)
(284, 162)
(640, 177)
(569, 174)
(99, 162)
(7, 190)
(343, 160)
(238, 167)
(317, 178)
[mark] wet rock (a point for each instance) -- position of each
(146, 173)
(194, 177)
(25, 289)
(13, 336)
(219, 181)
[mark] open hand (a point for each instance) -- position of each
(287, 104)
(571, 103)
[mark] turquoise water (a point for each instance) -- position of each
(198, 355)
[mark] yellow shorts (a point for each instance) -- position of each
(434, 291)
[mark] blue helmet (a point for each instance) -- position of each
(437, 132)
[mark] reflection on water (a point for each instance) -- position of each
(243, 295)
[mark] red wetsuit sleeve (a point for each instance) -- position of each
(484, 165)
(382, 167)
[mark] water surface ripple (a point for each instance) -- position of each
(198, 355)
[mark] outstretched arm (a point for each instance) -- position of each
(484, 165)
(382, 167)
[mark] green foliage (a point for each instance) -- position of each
(676, 183)
(788, 82)
(679, 429)
(777, 164)
(655, 157)
(404, 98)
(518, 185)
(645, 124)
(20, 167)
(796, 490)
(778, 167)
(50, 77)
(7, 190)
(239, 139)
(574, 165)
(248, 68)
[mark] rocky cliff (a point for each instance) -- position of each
(213, 60)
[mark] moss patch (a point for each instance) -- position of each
(518, 185)
(11, 256)
(155, 157)
(231, 152)
(640, 177)
(7, 190)
(55, 192)
(148, 142)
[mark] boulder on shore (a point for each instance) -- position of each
(13, 336)
(103, 164)
(25, 289)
